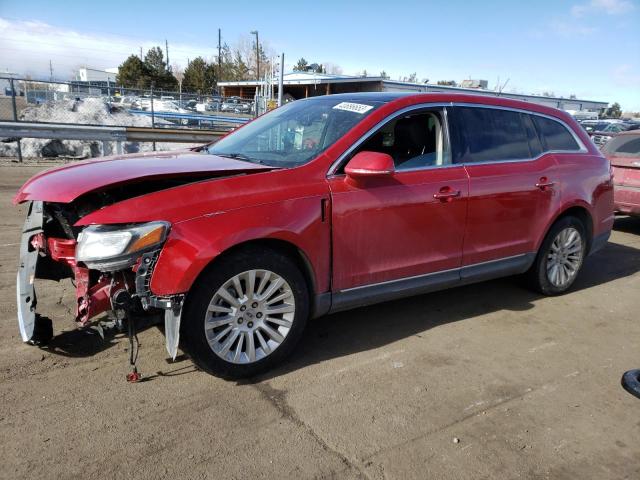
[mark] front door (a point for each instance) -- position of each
(407, 224)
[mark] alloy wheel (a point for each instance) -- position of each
(249, 316)
(564, 257)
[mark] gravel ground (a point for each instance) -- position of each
(529, 386)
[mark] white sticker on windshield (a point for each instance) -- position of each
(353, 107)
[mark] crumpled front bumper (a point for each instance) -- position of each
(26, 294)
(92, 299)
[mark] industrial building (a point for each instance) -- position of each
(307, 84)
(96, 78)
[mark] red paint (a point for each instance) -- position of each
(65, 184)
(352, 231)
(62, 250)
(626, 179)
(370, 164)
(91, 300)
(507, 211)
(394, 227)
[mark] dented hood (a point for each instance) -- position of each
(65, 184)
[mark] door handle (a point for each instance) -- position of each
(543, 184)
(446, 194)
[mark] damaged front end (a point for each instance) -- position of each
(111, 267)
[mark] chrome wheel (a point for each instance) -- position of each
(249, 316)
(565, 257)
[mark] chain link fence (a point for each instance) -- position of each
(109, 105)
(101, 103)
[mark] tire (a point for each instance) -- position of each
(259, 343)
(560, 257)
(42, 331)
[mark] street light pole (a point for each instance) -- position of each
(255, 32)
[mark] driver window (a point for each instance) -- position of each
(414, 141)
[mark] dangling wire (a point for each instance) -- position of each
(134, 343)
(134, 348)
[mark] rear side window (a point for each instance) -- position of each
(489, 135)
(623, 146)
(554, 135)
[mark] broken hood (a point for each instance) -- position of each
(65, 184)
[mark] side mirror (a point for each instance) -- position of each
(370, 164)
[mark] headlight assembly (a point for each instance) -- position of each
(114, 247)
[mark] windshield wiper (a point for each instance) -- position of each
(241, 156)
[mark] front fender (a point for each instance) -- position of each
(194, 244)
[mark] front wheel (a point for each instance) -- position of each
(246, 313)
(560, 257)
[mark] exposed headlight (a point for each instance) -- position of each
(109, 247)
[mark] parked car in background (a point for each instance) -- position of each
(623, 151)
(321, 205)
(208, 106)
(145, 102)
(591, 126)
(125, 102)
(612, 129)
(236, 105)
(189, 105)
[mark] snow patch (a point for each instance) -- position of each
(88, 111)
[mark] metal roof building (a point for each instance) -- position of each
(308, 84)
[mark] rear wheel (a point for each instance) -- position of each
(560, 257)
(246, 313)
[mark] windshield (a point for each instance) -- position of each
(617, 127)
(295, 133)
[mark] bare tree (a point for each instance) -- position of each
(178, 72)
(244, 51)
(332, 68)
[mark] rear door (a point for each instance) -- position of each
(512, 184)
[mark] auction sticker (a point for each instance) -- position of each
(353, 107)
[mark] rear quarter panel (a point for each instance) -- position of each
(585, 181)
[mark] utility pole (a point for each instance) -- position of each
(166, 48)
(141, 54)
(219, 52)
(281, 80)
(255, 32)
(50, 71)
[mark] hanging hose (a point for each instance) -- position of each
(123, 299)
(134, 348)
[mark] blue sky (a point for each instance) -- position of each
(590, 48)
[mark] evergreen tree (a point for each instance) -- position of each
(301, 66)
(227, 66)
(199, 76)
(240, 67)
(154, 60)
(160, 75)
(133, 73)
(614, 111)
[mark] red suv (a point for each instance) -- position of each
(322, 205)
